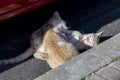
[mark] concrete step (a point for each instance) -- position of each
(110, 72)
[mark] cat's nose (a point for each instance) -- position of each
(82, 40)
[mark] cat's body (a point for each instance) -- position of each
(55, 49)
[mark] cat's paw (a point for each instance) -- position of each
(42, 56)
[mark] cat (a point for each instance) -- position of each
(83, 41)
(55, 49)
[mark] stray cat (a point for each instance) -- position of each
(55, 49)
(82, 41)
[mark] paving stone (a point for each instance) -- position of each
(109, 73)
(116, 65)
(95, 77)
(88, 62)
(111, 46)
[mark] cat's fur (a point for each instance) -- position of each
(55, 49)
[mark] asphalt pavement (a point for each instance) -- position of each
(86, 16)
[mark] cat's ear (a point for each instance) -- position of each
(56, 15)
(99, 34)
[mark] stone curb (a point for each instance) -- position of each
(87, 62)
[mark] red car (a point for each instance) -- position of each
(12, 8)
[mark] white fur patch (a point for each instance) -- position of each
(76, 37)
(42, 49)
(61, 43)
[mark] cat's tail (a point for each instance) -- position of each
(20, 58)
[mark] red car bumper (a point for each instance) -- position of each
(12, 8)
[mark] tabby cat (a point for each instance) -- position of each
(54, 48)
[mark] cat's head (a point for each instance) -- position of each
(57, 22)
(91, 39)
